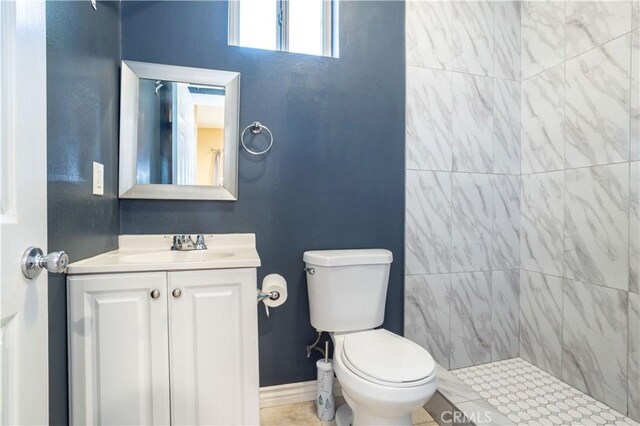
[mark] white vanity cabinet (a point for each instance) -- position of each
(213, 347)
(172, 347)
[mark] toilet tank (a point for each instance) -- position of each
(347, 288)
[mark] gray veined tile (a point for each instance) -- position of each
(506, 222)
(506, 48)
(596, 225)
(542, 35)
(634, 227)
(634, 357)
(594, 342)
(635, 95)
(453, 388)
(472, 123)
(542, 222)
(505, 305)
(597, 104)
(506, 126)
(470, 319)
(635, 14)
(472, 37)
(429, 112)
(428, 34)
(428, 222)
(541, 320)
(542, 138)
(591, 23)
(427, 313)
(472, 213)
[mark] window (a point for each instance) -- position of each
(301, 26)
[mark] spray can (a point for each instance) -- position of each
(325, 402)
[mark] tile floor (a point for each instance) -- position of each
(304, 413)
(525, 394)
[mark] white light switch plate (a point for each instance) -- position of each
(98, 179)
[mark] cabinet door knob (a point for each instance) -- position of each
(155, 294)
(177, 292)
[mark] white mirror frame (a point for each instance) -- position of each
(132, 72)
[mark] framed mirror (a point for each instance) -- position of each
(178, 132)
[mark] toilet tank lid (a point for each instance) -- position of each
(348, 257)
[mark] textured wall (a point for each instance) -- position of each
(463, 184)
(335, 175)
(580, 188)
(83, 60)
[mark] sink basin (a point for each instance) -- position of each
(174, 256)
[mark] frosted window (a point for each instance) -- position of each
(258, 24)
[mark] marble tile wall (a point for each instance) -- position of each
(463, 217)
(580, 185)
(523, 188)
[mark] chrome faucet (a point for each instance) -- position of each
(185, 243)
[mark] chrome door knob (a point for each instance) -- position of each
(155, 294)
(33, 261)
(176, 292)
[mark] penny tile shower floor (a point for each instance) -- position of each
(528, 395)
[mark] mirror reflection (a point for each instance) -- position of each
(180, 133)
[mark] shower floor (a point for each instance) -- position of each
(525, 394)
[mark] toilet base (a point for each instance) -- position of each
(344, 415)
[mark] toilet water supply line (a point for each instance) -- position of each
(314, 346)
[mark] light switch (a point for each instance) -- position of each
(98, 179)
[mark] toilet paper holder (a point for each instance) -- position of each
(273, 292)
(262, 296)
(273, 295)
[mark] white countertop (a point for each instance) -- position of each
(138, 253)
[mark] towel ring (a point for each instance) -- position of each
(256, 128)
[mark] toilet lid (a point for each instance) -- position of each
(386, 357)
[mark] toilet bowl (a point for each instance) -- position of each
(384, 377)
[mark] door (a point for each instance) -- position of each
(23, 212)
(184, 136)
(118, 349)
(213, 337)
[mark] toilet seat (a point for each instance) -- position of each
(385, 358)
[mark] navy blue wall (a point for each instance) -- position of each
(83, 60)
(335, 175)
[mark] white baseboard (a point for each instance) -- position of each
(291, 393)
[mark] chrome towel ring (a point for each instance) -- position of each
(256, 128)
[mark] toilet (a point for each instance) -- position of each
(384, 377)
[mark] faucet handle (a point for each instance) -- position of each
(200, 245)
(178, 240)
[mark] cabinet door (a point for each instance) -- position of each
(213, 336)
(118, 349)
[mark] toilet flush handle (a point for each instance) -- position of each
(310, 271)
